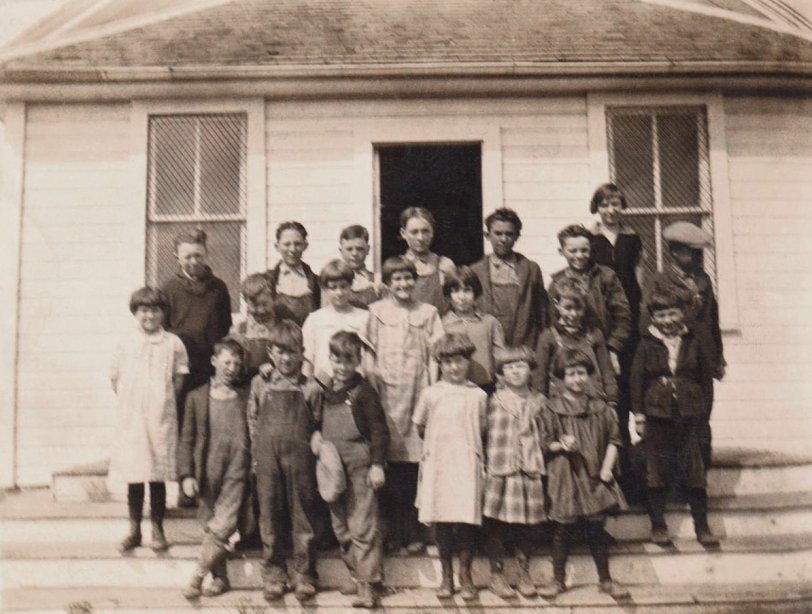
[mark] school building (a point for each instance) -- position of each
(125, 123)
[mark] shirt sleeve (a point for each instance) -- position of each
(420, 415)
(435, 327)
(548, 429)
(544, 354)
(619, 312)
(608, 379)
(612, 427)
(497, 336)
(180, 358)
(252, 410)
(309, 340)
(376, 421)
(636, 380)
(315, 399)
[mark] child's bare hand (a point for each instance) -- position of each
(569, 443)
(189, 487)
(376, 477)
(265, 370)
(315, 442)
(606, 476)
(615, 362)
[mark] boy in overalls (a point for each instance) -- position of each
(283, 411)
(354, 422)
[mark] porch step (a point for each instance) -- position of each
(32, 516)
(718, 599)
(783, 558)
(736, 471)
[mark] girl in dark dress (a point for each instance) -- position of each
(616, 245)
(580, 441)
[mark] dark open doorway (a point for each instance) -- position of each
(446, 180)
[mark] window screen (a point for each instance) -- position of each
(196, 179)
(658, 156)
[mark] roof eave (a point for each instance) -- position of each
(45, 83)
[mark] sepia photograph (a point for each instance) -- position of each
(407, 306)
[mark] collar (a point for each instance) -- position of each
(286, 269)
(590, 270)
(567, 331)
(566, 406)
(510, 261)
(465, 384)
(598, 228)
(351, 383)
(655, 332)
(277, 377)
(453, 316)
(155, 337)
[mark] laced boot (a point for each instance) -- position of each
(698, 500)
(135, 509)
(525, 584)
(220, 583)
(656, 512)
(446, 588)
(467, 589)
(366, 596)
(212, 554)
(498, 585)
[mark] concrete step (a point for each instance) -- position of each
(718, 599)
(33, 516)
(743, 560)
(736, 471)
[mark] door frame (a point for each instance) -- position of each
(423, 131)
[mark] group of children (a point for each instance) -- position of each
(462, 397)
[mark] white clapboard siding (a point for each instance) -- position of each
(312, 164)
(74, 227)
(767, 393)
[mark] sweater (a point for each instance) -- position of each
(200, 314)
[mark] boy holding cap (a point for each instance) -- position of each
(685, 276)
(354, 422)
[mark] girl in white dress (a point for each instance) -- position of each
(451, 418)
(147, 373)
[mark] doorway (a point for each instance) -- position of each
(446, 180)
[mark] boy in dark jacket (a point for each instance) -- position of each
(686, 278)
(354, 422)
(512, 285)
(213, 462)
(604, 292)
(671, 381)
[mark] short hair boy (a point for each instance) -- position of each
(354, 422)
(353, 245)
(337, 314)
(283, 412)
(512, 285)
(605, 296)
(671, 381)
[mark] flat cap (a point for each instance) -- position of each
(330, 476)
(687, 234)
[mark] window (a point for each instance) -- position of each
(658, 156)
(197, 179)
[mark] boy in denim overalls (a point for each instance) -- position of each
(283, 411)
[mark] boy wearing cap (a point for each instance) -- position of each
(685, 276)
(353, 420)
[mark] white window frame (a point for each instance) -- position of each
(720, 206)
(423, 131)
(255, 205)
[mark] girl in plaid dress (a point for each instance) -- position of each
(514, 493)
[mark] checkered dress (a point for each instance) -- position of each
(514, 492)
